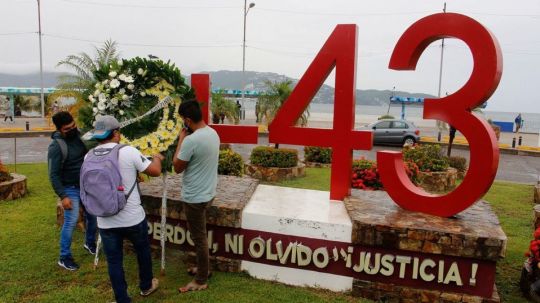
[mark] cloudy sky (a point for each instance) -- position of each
(282, 37)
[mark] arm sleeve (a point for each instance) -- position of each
(139, 161)
(54, 160)
(186, 150)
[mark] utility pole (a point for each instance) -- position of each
(246, 10)
(441, 123)
(41, 63)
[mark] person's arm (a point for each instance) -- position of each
(54, 159)
(154, 169)
(180, 164)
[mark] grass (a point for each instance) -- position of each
(29, 250)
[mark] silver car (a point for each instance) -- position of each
(394, 131)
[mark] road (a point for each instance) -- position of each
(521, 169)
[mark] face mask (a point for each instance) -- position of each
(187, 127)
(72, 133)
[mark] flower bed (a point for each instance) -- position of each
(13, 189)
(366, 174)
(274, 164)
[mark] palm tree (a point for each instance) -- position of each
(84, 66)
(223, 107)
(276, 95)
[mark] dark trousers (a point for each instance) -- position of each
(113, 245)
(6, 117)
(196, 219)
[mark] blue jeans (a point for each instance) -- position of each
(70, 221)
(113, 245)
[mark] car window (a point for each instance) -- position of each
(400, 125)
(384, 124)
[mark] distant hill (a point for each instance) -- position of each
(232, 80)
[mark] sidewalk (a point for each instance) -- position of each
(19, 124)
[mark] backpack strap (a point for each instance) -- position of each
(63, 149)
(116, 150)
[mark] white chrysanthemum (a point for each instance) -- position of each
(102, 97)
(143, 94)
(114, 101)
(140, 71)
(96, 85)
(120, 63)
(91, 98)
(129, 79)
(131, 86)
(121, 112)
(121, 91)
(97, 92)
(115, 83)
(95, 110)
(112, 74)
(125, 97)
(101, 106)
(105, 81)
(122, 77)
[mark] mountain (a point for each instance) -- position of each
(232, 80)
(256, 81)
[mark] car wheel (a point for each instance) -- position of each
(409, 141)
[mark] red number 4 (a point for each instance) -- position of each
(339, 51)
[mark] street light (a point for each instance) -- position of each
(42, 97)
(246, 10)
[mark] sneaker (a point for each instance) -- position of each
(155, 286)
(68, 263)
(90, 248)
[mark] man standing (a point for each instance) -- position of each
(130, 222)
(9, 111)
(519, 122)
(65, 157)
(197, 156)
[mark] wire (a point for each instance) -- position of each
(146, 6)
(17, 34)
(148, 45)
(274, 10)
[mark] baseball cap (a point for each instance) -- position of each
(103, 126)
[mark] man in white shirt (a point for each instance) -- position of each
(130, 222)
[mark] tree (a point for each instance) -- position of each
(223, 107)
(84, 66)
(276, 95)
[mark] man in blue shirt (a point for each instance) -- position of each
(197, 156)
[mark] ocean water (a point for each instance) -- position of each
(531, 120)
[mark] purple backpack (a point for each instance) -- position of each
(102, 192)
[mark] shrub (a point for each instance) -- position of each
(4, 173)
(459, 163)
(230, 163)
(318, 154)
(385, 117)
(366, 174)
(274, 157)
(428, 157)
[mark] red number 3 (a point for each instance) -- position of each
(454, 109)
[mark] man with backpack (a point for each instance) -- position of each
(65, 157)
(109, 190)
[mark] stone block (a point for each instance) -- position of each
(14, 188)
(275, 174)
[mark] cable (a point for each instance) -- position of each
(147, 45)
(146, 6)
(274, 10)
(16, 34)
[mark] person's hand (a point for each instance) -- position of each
(66, 203)
(183, 133)
(158, 156)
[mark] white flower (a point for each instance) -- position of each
(107, 90)
(96, 92)
(131, 86)
(122, 77)
(143, 94)
(102, 97)
(125, 97)
(114, 101)
(140, 71)
(115, 83)
(101, 106)
(121, 91)
(96, 85)
(95, 110)
(129, 79)
(120, 63)
(121, 112)
(112, 74)
(91, 98)
(105, 81)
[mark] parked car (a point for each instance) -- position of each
(394, 131)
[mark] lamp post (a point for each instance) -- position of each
(246, 10)
(41, 62)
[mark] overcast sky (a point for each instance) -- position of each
(282, 37)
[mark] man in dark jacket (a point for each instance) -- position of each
(65, 157)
